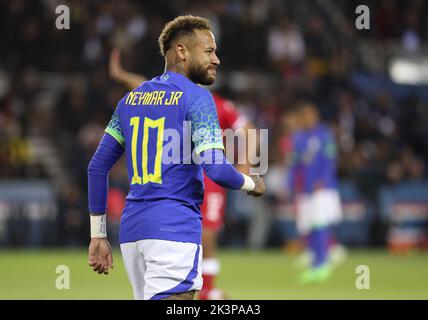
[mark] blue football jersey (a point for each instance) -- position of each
(314, 159)
(160, 124)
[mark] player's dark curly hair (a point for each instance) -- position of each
(180, 26)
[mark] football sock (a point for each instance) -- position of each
(210, 269)
(318, 242)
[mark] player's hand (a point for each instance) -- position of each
(115, 66)
(260, 186)
(100, 256)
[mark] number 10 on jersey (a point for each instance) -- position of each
(156, 176)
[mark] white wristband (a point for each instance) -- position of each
(249, 184)
(98, 226)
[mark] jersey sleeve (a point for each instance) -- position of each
(114, 127)
(206, 132)
(107, 154)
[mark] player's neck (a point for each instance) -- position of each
(175, 67)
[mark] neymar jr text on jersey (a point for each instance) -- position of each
(153, 98)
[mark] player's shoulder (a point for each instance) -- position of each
(199, 91)
(179, 82)
(173, 80)
(199, 95)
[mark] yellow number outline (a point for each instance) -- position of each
(156, 176)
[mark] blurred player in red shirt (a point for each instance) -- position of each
(214, 203)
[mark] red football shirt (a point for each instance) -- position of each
(228, 116)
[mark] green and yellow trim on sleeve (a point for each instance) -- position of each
(201, 148)
(114, 128)
(119, 138)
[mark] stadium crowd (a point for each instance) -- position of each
(55, 83)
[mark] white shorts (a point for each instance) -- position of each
(159, 268)
(320, 208)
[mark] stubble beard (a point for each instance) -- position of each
(199, 74)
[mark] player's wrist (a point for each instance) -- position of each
(98, 226)
(249, 184)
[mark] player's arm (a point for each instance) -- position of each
(249, 157)
(240, 121)
(237, 121)
(222, 172)
(107, 154)
(208, 143)
(119, 74)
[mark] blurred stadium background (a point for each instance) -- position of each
(371, 87)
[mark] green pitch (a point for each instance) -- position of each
(245, 275)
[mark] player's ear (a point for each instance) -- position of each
(181, 51)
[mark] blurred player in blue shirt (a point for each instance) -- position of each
(168, 129)
(313, 179)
